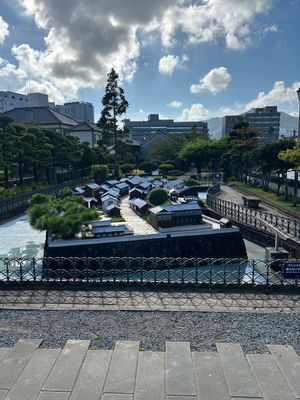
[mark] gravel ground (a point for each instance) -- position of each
(203, 329)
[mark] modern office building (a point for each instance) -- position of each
(142, 130)
(265, 121)
(10, 100)
(79, 110)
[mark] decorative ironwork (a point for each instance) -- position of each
(259, 219)
(142, 271)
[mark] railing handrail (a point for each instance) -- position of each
(253, 217)
(143, 271)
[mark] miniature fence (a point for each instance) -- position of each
(142, 271)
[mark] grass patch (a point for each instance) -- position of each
(270, 197)
(117, 219)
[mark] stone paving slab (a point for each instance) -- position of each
(122, 370)
(269, 377)
(239, 378)
(147, 372)
(31, 380)
(179, 370)
(209, 376)
(90, 381)
(67, 366)
(289, 364)
(142, 300)
(150, 381)
(15, 361)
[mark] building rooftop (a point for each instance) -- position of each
(93, 186)
(139, 202)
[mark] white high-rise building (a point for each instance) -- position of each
(10, 100)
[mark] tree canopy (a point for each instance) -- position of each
(114, 106)
(62, 215)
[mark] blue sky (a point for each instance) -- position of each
(184, 59)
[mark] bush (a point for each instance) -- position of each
(158, 196)
(127, 168)
(192, 182)
(165, 168)
(148, 166)
(101, 173)
(232, 180)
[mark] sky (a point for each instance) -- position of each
(189, 60)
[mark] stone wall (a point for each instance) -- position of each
(219, 245)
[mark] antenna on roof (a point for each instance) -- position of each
(29, 82)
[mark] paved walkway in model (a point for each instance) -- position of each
(126, 373)
(139, 226)
(143, 300)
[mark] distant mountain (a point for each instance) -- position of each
(287, 125)
(215, 127)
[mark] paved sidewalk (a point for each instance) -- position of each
(126, 373)
(142, 300)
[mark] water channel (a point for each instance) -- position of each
(19, 240)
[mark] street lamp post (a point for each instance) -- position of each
(296, 182)
(298, 93)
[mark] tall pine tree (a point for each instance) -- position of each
(114, 105)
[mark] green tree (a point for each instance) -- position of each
(165, 168)
(127, 168)
(148, 166)
(101, 173)
(293, 156)
(158, 196)
(114, 106)
(7, 133)
(63, 217)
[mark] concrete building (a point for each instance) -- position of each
(10, 100)
(78, 110)
(141, 130)
(265, 121)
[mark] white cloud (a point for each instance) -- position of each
(270, 29)
(196, 112)
(84, 39)
(215, 81)
(294, 114)
(175, 104)
(3, 30)
(281, 95)
(208, 21)
(168, 64)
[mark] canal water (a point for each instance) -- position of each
(19, 240)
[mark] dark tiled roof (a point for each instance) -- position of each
(86, 126)
(139, 202)
(40, 115)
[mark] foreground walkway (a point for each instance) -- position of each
(127, 373)
(149, 300)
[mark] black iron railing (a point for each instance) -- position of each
(146, 271)
(258, 219)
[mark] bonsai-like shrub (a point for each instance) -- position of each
(158, 197)
(101, 173)
(148, 166)
(165, 168)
